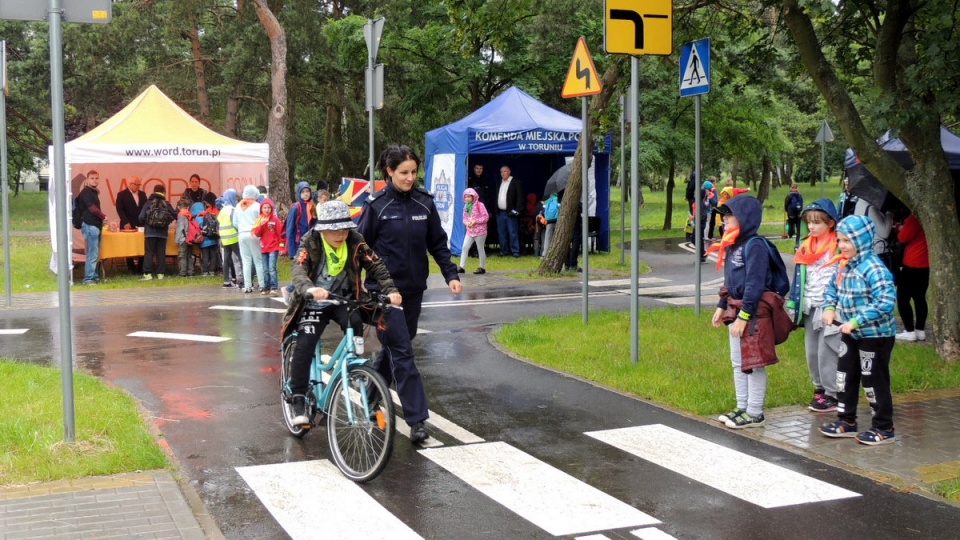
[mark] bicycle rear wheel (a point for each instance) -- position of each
(286, 359)
(361, 439)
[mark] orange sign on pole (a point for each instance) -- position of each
(582, 78)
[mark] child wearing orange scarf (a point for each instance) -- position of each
(815, 264)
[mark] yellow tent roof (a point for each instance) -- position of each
(154, 118)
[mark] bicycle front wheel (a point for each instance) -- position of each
(361, 424)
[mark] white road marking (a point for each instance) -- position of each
(185, 337)
(549, 498)
(625, 282)
(705, 299)
(651, 534)
(593, 537)
(517, 299)
(251, 308)
(732, 472)
(312, 499)
(13, 331)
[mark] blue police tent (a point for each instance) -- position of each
(516, 130)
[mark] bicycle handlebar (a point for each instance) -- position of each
(377, 299)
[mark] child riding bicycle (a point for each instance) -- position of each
(328, 263)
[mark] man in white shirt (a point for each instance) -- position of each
(509, 206)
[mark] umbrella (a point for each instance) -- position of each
(868, 187)
(557, 181)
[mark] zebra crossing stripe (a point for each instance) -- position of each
(547, 497)
(251, 308)
(312, 499)
(764, 484)
(651, 534)
(13, 331)
(185, 337)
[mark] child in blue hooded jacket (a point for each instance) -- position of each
(746, 277)
(862, 297)
(815, 265)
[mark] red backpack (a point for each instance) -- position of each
(194, 232)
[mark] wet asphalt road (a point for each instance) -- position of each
(217, 407)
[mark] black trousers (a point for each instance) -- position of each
(865, 361)
(912, 285)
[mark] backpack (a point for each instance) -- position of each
(779, 281)
(796, 205)
(158, 216)
(77, 217)
(211, 227)
(194, 233)
(551, 209)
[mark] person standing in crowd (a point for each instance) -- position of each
(861, 297)
(708, 200)
(914, 279)
(269, 230)
(728, 192)
(847, 203)
(184, 248)
(475, 219)
(401, 224)
(793, 207)
(194, 192)
(477, 182)
(815, 264)
(299, 218)
(129, 203)
(715, 197)
(747, 277)
(210, 247)
(155, 238)
(93, 219)
(509, 206)
(551, 212)
(245, 215)
(230, 241)
(691, 192)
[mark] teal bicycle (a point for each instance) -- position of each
(355, 401)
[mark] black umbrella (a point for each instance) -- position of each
(868, 187)
(557, 181)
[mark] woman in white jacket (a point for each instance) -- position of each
(245, 215)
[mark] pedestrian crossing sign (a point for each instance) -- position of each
(582, 78)
(695, 68)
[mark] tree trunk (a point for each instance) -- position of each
(928, 188)
(556, 254)
(671, 183)
(232, 112)
(279, 172)
(735, 170)
(203, 97)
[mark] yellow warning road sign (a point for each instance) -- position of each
(638, 27)
(582, 79)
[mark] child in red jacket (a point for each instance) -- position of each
(270, 230)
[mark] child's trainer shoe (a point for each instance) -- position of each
(874, 437)
(730, 415)
(745, 421)
(823, 403)
(839, 429)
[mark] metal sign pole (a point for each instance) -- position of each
(3, 172)
(60, 183)
(585, 204)
(634, 209)
(698, 226)
(623, 185)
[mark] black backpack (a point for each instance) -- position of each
(779, 281)
(77, 217)
(211, 227)
(158, 215)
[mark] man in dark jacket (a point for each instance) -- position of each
(92, 225)
(510, 203)
(129, 203)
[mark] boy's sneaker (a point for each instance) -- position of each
(299, 405)
(907, 336)
(418, 433)
(823, 403)
(730, 415)
(839, 429)
(146, 277)
(921, 335)
(264, 292)
(874, 437)
(228, 285)
(159, 276)
(745, 421)
(248, 290)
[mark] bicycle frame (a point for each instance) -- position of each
(338, 364)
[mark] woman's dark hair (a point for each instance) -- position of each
(393, 155)
(194, 175)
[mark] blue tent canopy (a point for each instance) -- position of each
(513, 129)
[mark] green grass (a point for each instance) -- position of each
(28, 211)
(111, 436)
(684, 362)
(948, 489)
